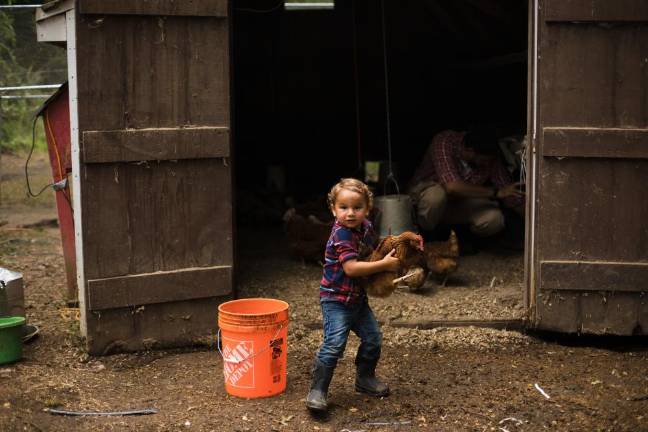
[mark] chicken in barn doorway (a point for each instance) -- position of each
(412, 272)
(442, 257)
(306, 235)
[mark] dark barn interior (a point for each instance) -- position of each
(309, 88)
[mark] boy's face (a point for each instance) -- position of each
(350, 208)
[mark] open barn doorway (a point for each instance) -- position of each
(312, 104)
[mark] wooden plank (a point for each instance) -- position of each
(595, 142)
(160, 216)
(212, 8)
(155, 144)
(139, 72)
(594, 307)
(593, 76)
(622, 316)
(592, 98)
(594, 276)
(558, 311)
(513, 324)
(52, 29)
(601, 211)
(181, 323)
(160, 287)
(642, 313)
(611, 313)
(425, 324)
(596, 11)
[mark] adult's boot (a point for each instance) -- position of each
(366, 380)
(322, 374)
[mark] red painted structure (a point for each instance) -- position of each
(56, 122)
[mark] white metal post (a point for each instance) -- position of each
(70, 21)
(531, 191)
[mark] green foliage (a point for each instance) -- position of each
(24, 61)
(7, 41)
(16, 126)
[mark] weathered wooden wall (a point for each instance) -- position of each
(592, 239)
(154, 115)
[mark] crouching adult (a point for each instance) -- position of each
(463, 181)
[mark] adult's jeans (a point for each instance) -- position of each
(433, 206)
(339, 319)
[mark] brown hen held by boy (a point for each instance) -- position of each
(413, 271)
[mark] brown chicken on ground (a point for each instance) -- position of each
(307, 236)
(442, 257)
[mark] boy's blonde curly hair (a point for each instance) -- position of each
(353, 185)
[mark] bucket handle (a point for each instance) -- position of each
(233, 360)
(391, 177)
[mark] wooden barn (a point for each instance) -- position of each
(177, 108)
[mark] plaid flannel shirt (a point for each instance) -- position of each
(342, 246)
(442, 163)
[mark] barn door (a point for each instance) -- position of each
(590, 251)
(155, 170)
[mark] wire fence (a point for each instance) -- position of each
(27, 88)
(30, 87)
(38, 96)
(26, 6)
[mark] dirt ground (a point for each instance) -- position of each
(445, 379)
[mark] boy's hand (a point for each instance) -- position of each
(390, 262)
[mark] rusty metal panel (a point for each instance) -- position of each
(591, 241)
(156, 187)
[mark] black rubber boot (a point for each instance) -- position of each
(366, 381)
(322, 374)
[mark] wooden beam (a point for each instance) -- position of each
(132, 145)
(595, 142)
(596, 11)
(213, 8)
(160, 287)
(594, 276)
(424, 324)
(427, 324)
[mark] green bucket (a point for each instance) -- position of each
(11, 339)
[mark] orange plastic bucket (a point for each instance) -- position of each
(253, 335)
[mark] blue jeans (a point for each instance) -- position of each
(338, 319)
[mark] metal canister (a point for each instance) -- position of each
(12, 297)
(395, 214)
(4, 302)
